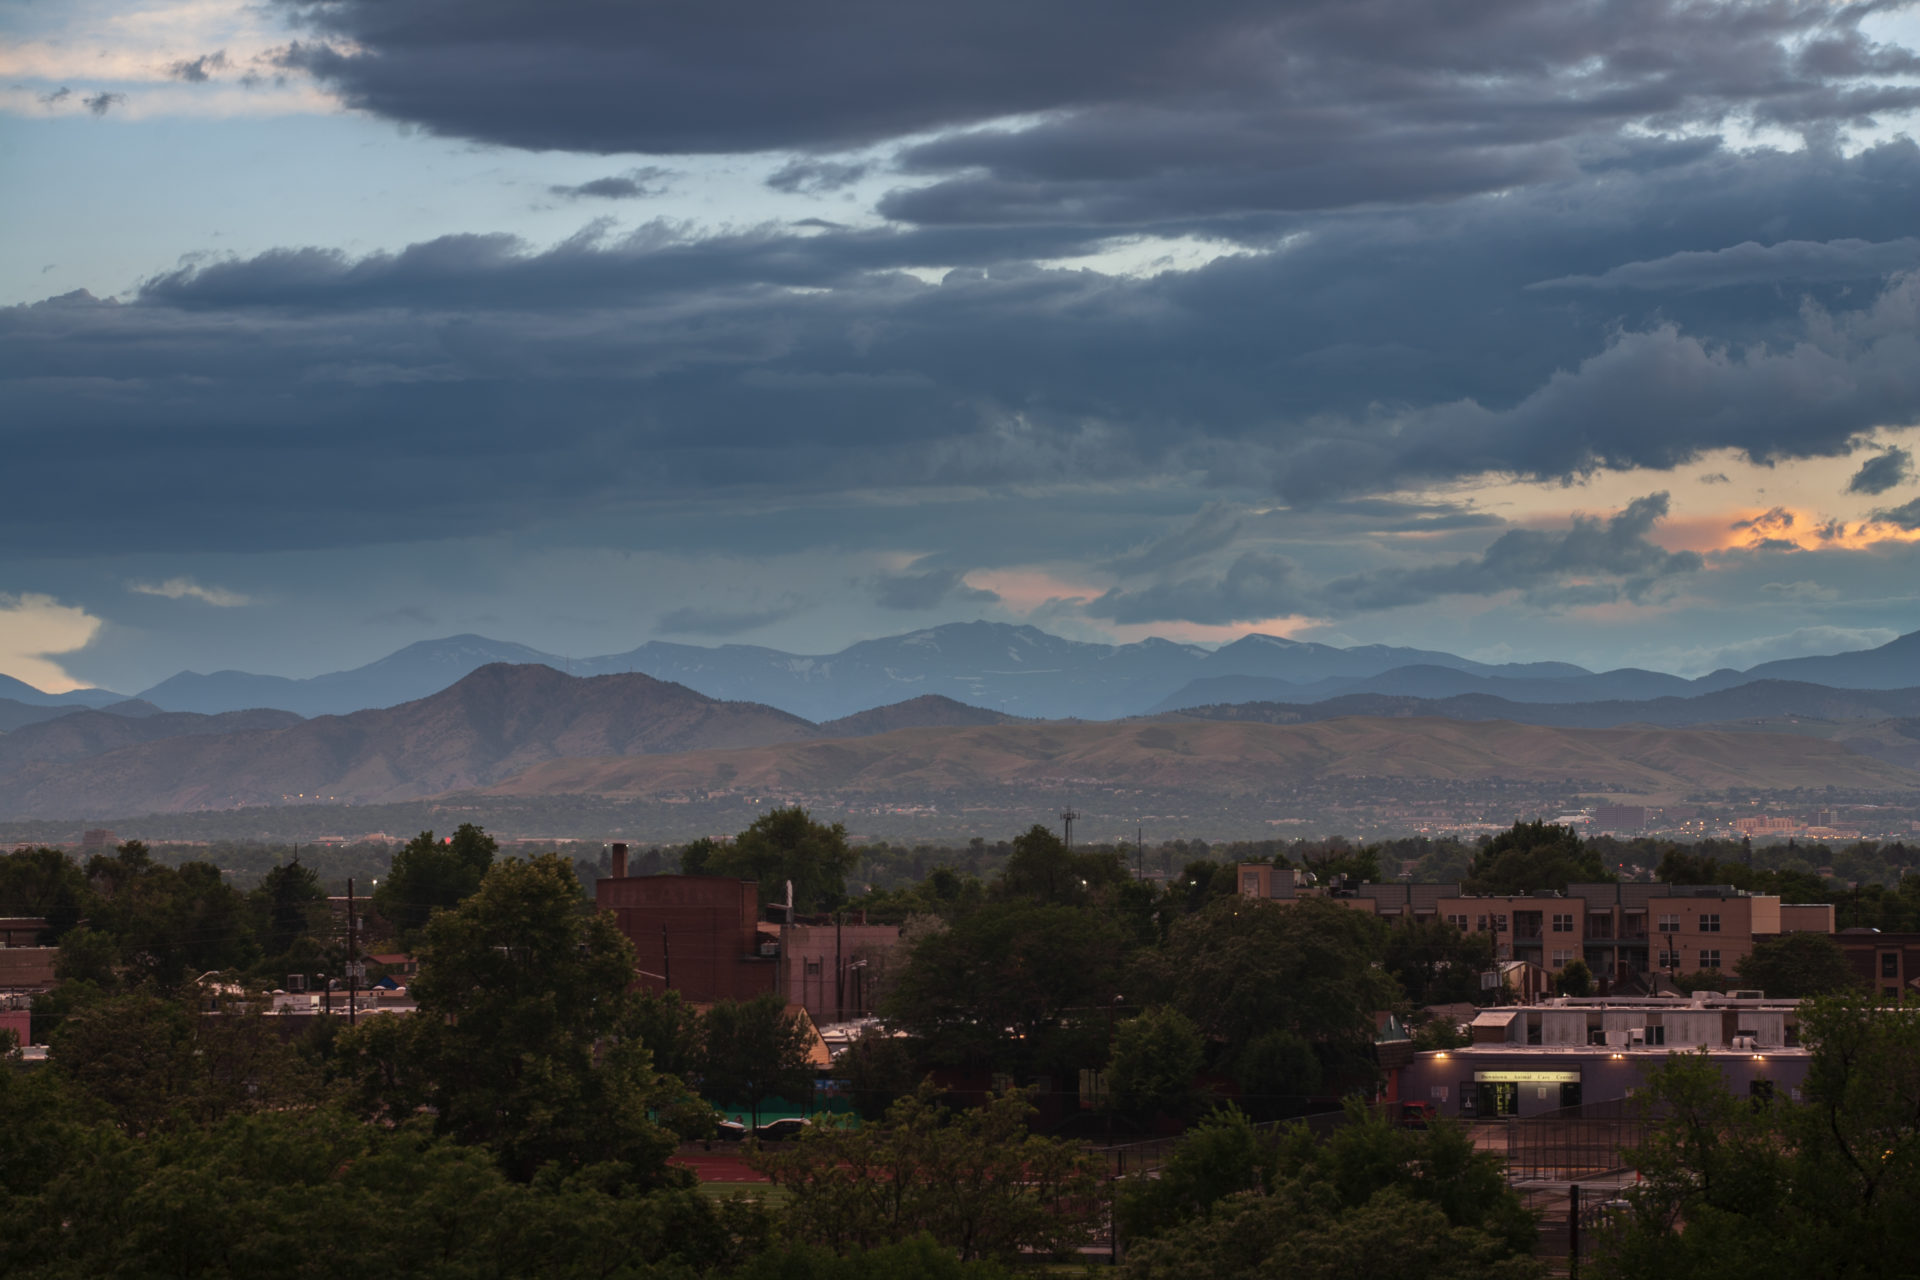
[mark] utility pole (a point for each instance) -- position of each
(666, 958)
(1067, 820)
(353, 958)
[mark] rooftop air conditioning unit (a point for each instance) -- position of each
(1617, 1039)
(1636, 1035)
(1746, 1043)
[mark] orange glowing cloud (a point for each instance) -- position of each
(1751, 529)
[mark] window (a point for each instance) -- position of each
(1709, 959)
(1669, 924)
(1669, 959)
(1482, 925)
(1561, 959)
(1891, 993)
(1526, 924)
(1889, 964)
(1500, 923)
(1563, 924)
(1459, 921)
(1710, 922)
(1599, 925)
(1656, 1035)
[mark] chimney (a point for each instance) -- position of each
(620, 861)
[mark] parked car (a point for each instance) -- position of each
(729, 1131)
(781, 1130)
(1417, 1115)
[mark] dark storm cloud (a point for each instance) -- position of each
(1132, 111)
(102, 102)
(1791, 262)
(926, 588)
(200, 69)
(1216, 525)
(634, 183)
(708, 621)
(1882, 472)
(1906, 515)
(1594, 561)
(1256, 586)
(471, 384)
(1555, 567)
(817, 175)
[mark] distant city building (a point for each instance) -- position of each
(1620, 817)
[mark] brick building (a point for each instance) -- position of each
(1887, 963)
(699, 935)
(1621, 931)
(703, 937)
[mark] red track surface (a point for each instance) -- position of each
(717, 1166)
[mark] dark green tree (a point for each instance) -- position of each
(1575, 979)
(1243, 967)
(696, 859)
(431, 875)
(1821, 1187)
(1534, 855)
(1156, 1057)
(753, 1050)
(1793, 966)
(1043, 869)
(290, 902)
(527, 1040)
(877, 1070)
(787, 844)
(1003, 985)
(1277, 1071)
(975, 1181)
(1373, 1200)
(172, 924)
(44, 882)
(1437, 962)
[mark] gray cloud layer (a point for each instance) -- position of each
(1368, 353)
(1471, 238)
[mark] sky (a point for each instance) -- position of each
(1585, 330)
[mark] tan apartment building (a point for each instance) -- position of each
(1621, 931)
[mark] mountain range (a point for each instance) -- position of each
(1015, 670)
(529, 729)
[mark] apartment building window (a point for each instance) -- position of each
(1891, 993)
(1669, 959)
(1599, 926)
(1500, 923)
(1563, 924)
(1889, 964)
(1482, 924)
(1669, 924)
(1459, 922)
(1709, 959)
(1710, 922)
(1526, 924)
(1561, 959)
